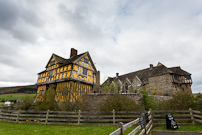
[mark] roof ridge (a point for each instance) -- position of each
(58, 56)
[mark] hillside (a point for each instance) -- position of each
(29, 89)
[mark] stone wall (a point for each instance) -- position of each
(96, 98)
(162, 83)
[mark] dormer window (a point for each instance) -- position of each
(85, 71)
(52, 63)
(86, 60)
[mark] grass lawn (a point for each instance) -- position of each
(15, 96)
(2, 103)
(34, 129)
(189, 128)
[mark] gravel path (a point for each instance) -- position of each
(174, 133)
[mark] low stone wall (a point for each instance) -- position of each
(135, 96)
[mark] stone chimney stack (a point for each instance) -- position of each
(117, 74)
(151, 66)
(73, 52)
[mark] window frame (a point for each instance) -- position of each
(85, 70)
(51, 74)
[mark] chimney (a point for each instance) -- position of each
(151, 65)
(73, 52)
(117, 74)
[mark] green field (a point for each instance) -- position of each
(188, 128)
(15, 96)
(34, 129)
(2, 103)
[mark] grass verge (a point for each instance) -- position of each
(34, 129)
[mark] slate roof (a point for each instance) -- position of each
(63, 61)
(179, 71)
(144, 74)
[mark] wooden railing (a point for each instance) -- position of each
(66, 117)
(182, 117)
(146, 127)
(197, 116)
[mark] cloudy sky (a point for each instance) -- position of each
(120, 35)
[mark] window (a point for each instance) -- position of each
(51, 74)
(86, 60)
(85, 71)
(52, 63)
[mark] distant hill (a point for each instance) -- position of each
(29, 89)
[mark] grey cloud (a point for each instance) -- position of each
(13, 14)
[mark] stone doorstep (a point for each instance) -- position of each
(160, 132)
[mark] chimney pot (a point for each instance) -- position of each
(73, 52)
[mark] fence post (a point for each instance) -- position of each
(47, 114)
(192, 116)
(114, 117)
(17, 119)
(143, 115)
(151, 116)
(120, 125)
(79, 117)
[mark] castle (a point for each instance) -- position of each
(161, 78)
(76, 76)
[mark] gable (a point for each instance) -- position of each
(86, 62)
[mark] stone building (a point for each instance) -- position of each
(161, 78)
(71, 77)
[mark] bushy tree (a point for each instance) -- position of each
(110, 87)
(180, 101)
(147, 101)
(119, 103)
(48, 100)
(199, 101)
(27, 103)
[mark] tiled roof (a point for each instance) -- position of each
(179, 71)
(144, 74)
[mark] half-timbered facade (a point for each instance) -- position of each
(161, 78)
(71, 77)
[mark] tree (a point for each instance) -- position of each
(48, 100)
(147, 101)
(199, 101)
(110, 87)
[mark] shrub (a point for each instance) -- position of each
(27, 103)
(180, 101)
(119, 103)
(199, 101)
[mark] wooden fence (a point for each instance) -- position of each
(196, 116)
(64, 117)
(143, 126)
(182, 117)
